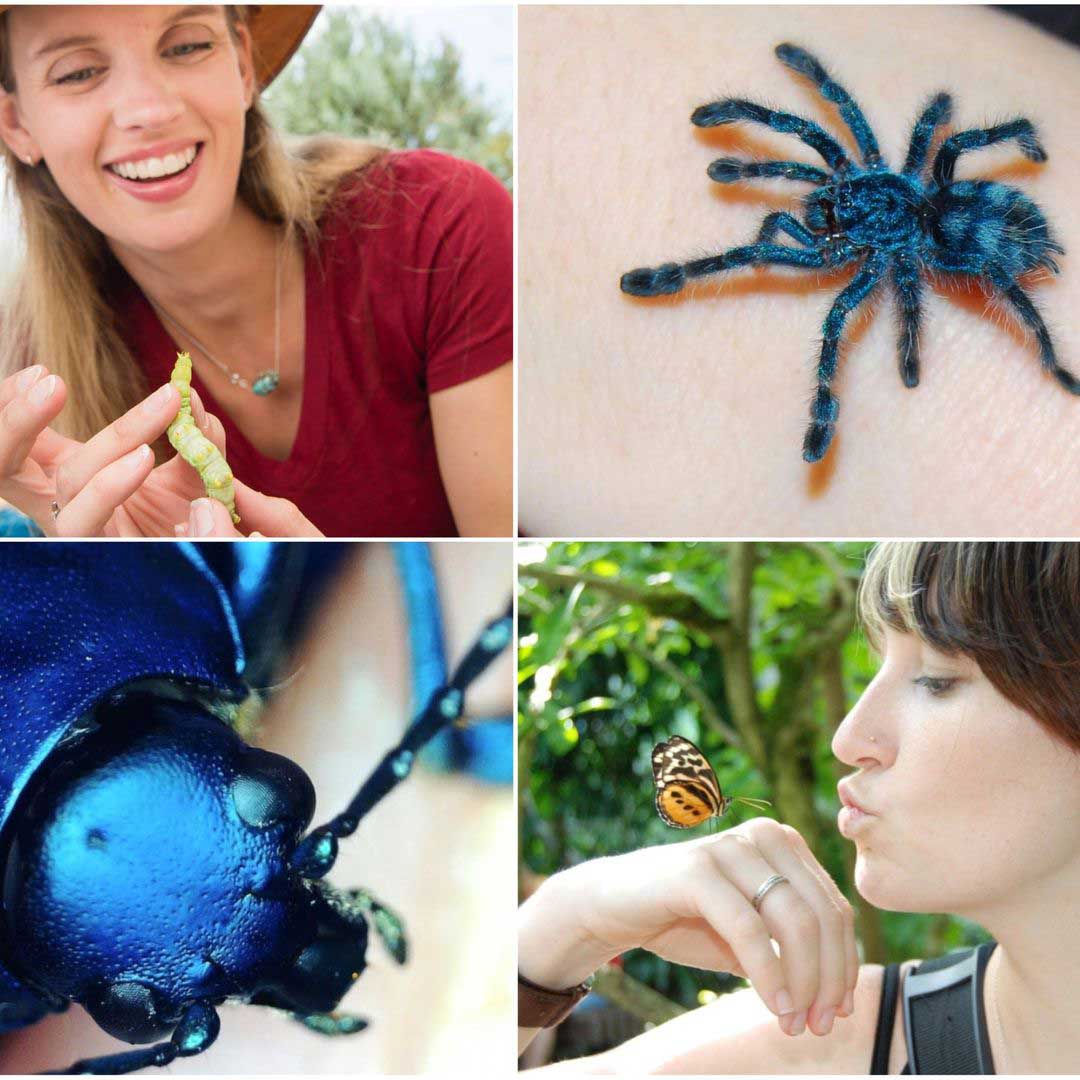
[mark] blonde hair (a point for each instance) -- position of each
(1014, 608)
(57, 311)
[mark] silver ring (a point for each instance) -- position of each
(766, 885)
(55, 509)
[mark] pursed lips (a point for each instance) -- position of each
(850, 801)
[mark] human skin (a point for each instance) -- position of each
(684, 416)
(108, 485)
(151, 76)
(973, 809)
(436, 851)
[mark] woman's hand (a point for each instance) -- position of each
(692, 903)
(107, 486)
(88, 481)
(261, 515)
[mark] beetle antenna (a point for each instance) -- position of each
(316, 853)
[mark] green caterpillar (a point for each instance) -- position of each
(194, 447)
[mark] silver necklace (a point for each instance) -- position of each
(266, 382)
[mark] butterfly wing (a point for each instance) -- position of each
(687, 791)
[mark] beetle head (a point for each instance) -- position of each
(150, 869)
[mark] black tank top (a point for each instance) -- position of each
(950, 1018)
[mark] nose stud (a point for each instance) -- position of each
(873, 738)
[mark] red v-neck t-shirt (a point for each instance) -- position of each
(409, 293)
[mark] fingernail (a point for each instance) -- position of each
(849, 1002)
(825, 1022)
(784, 1004)
(43, 390)
(137, 458)
(27, 378)
(201, 521)
(158, 398)
(198, 412)
(798, 1025)
(180, 530)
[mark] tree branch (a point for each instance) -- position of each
(709, 711)
(733, 643)
(658, 599)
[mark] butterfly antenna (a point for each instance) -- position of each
(317, 852)
(757, 804)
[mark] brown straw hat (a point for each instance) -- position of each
(276, 33)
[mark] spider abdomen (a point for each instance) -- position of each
(992, 224)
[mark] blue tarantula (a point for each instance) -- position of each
(898, 224)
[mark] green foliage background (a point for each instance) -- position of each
(358, 75)
(748, 649)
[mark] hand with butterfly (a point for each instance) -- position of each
(718, 903)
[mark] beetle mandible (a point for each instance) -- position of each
(110, 729)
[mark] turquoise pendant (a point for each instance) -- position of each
(266, 383)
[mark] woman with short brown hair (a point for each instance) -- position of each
(964, 799)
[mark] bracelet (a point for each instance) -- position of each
(539, 1007)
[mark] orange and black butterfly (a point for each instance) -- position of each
(687, 791)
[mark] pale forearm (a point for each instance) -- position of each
(555, 950)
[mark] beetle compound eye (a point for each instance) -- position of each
(272, 790)
(129, 1011)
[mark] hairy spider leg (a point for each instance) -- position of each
(1023, 131)
(316, 854)
(196, 1032)
(936, 113)
(908, 283)
(731, 110)
(728, 170)
(671, 277)
(825, 406)
(1029, 315)
(781, 221)
(801, 61)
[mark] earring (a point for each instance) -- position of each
(30, 160)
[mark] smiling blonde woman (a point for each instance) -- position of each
(965, 751)
(348, 309)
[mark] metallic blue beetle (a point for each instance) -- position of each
(112, 731)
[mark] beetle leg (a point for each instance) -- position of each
(334, 1023)
(196, 1032)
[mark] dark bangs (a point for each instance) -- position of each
(1014, 608)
